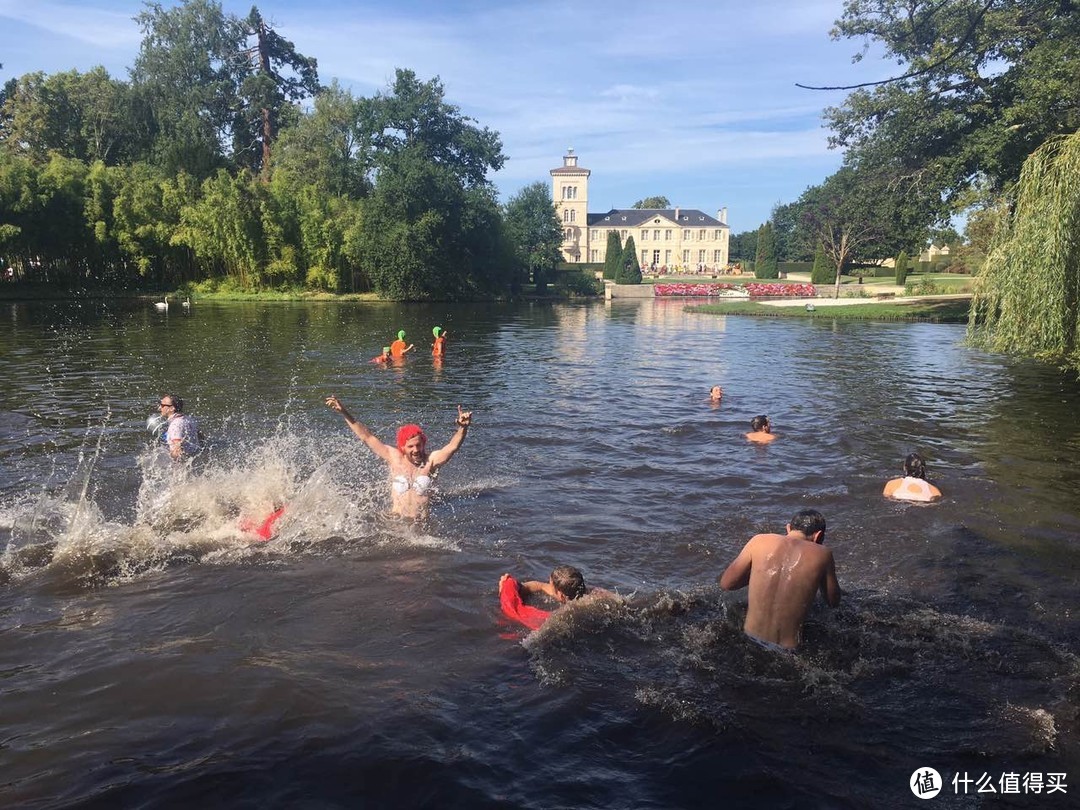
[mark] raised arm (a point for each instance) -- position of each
(383, 451)
(444, 454)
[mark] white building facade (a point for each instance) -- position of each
(668, 240)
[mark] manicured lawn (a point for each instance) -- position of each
(936, 311)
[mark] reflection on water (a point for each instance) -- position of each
(151, 649)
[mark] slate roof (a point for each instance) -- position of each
(636, 217)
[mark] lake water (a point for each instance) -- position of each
(151, 655)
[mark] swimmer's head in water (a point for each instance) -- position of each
(436, 330)
(760, 423)
(717, 393)
(401, 334)
(809, 522)
(914, 466)
(568, 581)
(412, 442)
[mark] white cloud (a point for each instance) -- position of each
(82, 22)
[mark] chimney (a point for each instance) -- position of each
(722, 216)
(676, 213)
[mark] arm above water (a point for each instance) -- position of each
(513, 607)
(444, 454)
(830, 587)
(737, 574)
(383, 451)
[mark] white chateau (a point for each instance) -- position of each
(678, 239)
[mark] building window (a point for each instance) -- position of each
(667, 235)
(667, 257)
(687, 234)
(717, 256)
(644, 235)
(718, 236)
(622, 236)
(566, 215)
(573, 215)
(701, 256)
(701, 235)
(686, 257)
(644, 257)
(593, 255)
(656, 235)
(568, 234)
(594, 234)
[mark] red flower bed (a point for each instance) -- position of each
(690, 290)
(757, 290)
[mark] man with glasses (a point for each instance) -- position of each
(181, 434)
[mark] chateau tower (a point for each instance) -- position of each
(570, 193)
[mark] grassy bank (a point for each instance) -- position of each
(934, 311)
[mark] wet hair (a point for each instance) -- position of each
(716, 391)
(914, 466)
(178, 404)
(808, 521)
(759, 423)
(568, 581)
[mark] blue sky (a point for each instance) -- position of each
(696, 102)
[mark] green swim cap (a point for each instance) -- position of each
(401, 335)
(435, 331)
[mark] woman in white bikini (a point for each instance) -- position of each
(412, 467)
(913, 486)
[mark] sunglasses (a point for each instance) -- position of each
(165, 405)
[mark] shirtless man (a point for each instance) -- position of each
(412, 468)
(784, 574)
(762, 430)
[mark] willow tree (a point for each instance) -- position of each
(1028, 296)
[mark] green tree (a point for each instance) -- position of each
(629, 267)
(860, 214)
(743, 246)
(822, 272)
(1028, 301)
(652, 203)
(146, 216)
(432, 225)
(88, 116)
(187, 72)
(612, 256)
(901, 268)
(415, 117)
(332, 146)
(278, 76)
(982, 85)
(535, 233)
(765, 264)
(225, 230)
(791, 243)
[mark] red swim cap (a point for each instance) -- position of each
(406, 432)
